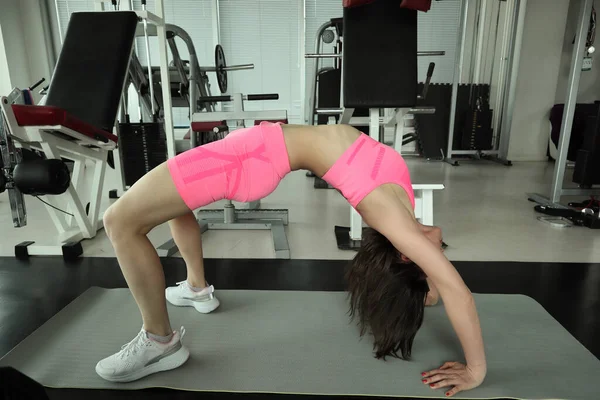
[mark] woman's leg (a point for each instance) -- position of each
(194, 291)
(186, 234)
(150, 202)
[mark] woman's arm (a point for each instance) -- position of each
(400, 227)
(458, 300)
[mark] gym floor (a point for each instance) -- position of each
(32, 292)
(494, 240)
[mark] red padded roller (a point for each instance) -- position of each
(206, 126)
(275, 121)
(28, 115)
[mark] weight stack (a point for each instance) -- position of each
(432, 129)
(142, 147)
(477, 125)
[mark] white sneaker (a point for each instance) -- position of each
(143, 356)
(182, 295)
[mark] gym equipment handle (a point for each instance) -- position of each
(427, 82)
(228, 68)
(431, 53)
(430, 70)
(329, 111)
(250, 97)
(330, 55)
(422, 110)
(272, 96)
(38, 83)
(213, 99)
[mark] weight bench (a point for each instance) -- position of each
(389, 89)
(75, 124)
(423, 213)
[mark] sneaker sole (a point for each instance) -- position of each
(203, 307)
(168, 363)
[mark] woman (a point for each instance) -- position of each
(389, 279)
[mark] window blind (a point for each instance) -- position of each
(437, 30)
(316, 13)
(265, 33)
(65, 8)
(196, 18)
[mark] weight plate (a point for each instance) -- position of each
(328, 36)
(220, 65)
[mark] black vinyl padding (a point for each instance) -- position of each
(380, 56)
(92, 66)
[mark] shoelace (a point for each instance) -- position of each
(134, 346)
(138, 342)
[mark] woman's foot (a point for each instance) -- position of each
(203, 300)
(143, 356)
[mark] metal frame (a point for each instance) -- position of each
(511, 46)
(511, 82)
(377, 120)
(458, 70)
(579, 50)
(230, 218)
(82, 149)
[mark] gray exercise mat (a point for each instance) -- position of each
(302, 342)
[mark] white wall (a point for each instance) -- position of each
(589, 84)
(24, 50)
(36, 44)
(5, 85)
(541, 52)
(14, 43)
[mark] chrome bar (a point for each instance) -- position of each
(329, 111)
(322, 28)
(229, 68)
(458, 68)
(335, 55)
(324, 55)
(571, 99)
(430, 53)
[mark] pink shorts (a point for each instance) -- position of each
(366, 165)
(246, 165)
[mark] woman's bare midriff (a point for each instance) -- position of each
(316, 148)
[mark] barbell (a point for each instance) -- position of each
(221, 68)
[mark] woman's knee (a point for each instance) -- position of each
(121, 221)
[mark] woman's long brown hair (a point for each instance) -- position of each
(387, 296)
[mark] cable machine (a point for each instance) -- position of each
(581, 50)
(485, 133)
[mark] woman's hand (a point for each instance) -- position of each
(433, 295)
(461, 377)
